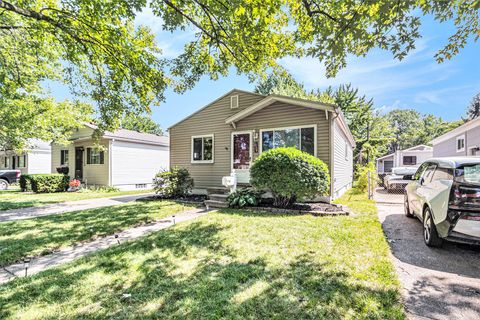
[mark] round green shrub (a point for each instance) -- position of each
(289, 174)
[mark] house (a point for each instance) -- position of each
(461, 141)
(124, 159)
(411, 157)
(229, 133)
(35, 159)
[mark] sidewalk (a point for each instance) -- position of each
(34, 212)
(68, 254)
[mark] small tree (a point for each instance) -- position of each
(290, 174)
(174, 183)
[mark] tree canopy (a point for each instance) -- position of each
(141, 123)
(95, 48)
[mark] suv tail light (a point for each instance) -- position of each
(19, 173)
(464, 197)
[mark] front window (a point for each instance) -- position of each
(21, 161)
(95, 156)
(460, 144)
(202, 149)
(64, 157)
(300, 138)
(409, 160)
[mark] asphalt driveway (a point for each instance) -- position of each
(437, 283)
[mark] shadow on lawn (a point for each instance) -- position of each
(190, 273)
(44, 234)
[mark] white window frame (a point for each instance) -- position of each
(24, 156)
(86, 156)
(211, 135)
(456, 143)
(68, 160)
(314, 126)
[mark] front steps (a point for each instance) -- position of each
(217, 198)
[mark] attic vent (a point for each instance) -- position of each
(234, 102)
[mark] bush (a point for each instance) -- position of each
(244, 197)
(361, 177)
(175, 183)
(25, 183)
(48, 183)
(290, 174)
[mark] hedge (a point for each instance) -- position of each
(25, 182)
(48, 183)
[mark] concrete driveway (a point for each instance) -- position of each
(437, 283)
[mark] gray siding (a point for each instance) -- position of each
(448, 148)
(343, 163)
(211, 120)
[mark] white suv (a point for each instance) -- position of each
(445, 195)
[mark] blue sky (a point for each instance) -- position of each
(417, 82)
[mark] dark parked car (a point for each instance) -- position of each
(7, 177)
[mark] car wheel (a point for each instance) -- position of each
(406, 207)
(3, 184)
(430, 234)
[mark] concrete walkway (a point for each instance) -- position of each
(437, 283)
(69, 254)
(34, 212)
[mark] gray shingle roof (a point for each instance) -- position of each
(134, 136)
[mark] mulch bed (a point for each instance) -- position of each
(190, 199)
(314, 208)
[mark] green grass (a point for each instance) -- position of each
(15, 199)
(39, 236)
(231, 264)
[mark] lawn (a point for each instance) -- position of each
(231, 264)
(14, 199)
(33, 237)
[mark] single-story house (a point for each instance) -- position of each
(229, 133)
(411, 157)
(461, 141)
(124, 159)
(35, 159)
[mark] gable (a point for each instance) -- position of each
(221, 107)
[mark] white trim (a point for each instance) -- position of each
(275, 98)
(461, 137)
(211, 135)
(110, 162)
(68, 162)
(292, 127)
(232, 99)
(251, 133)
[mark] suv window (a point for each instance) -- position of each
(420, 171)
(442, 174)
(428, 173)
(469, 173)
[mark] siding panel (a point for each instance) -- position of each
(343, 168)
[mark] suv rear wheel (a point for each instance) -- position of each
(3, 184)
(430, 234)
(406, 207)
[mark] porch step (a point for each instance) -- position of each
(215, 204)
(217, 190)
(219, 197)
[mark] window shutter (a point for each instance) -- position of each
(89, 150)
(234, 102)
(102, 156)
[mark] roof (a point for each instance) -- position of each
(212, 102)
(454, 162)
(418, 148)
(457, 131)
(134, 136)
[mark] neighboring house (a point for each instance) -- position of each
(461, 141)
(230, 132)
(124, 159)
(35, 159)
(411, 157)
